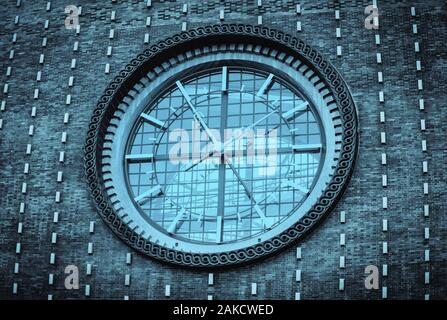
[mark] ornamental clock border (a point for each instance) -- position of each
(286, 49)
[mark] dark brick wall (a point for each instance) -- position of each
(275, 277)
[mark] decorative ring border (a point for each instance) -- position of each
(117, 90)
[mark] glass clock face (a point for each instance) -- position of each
(223, 155)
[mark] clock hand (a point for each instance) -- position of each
(230, 141)
(249, 195)
(196, 113)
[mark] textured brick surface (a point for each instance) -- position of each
(275, 276)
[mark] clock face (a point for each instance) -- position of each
(258, 148)
(211, 153)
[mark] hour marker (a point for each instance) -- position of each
(145, 157)
(294, 185)
(153, 121)
(309, 166)
(219, 226)
(173, 226)
(224, 79)
(265, 85)
(184, 92)
(293, 113)
(310, 148)
(261, 215)
(302, 174)
(152, 192)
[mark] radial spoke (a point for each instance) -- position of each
(249, 195)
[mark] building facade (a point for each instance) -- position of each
(62, 62)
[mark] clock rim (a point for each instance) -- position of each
(219, 34)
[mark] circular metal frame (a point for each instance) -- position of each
(283, 47)
(128, 139)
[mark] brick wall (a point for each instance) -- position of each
(26, 269)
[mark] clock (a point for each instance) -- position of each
(211, 149)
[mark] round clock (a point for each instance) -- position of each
(221, 145)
